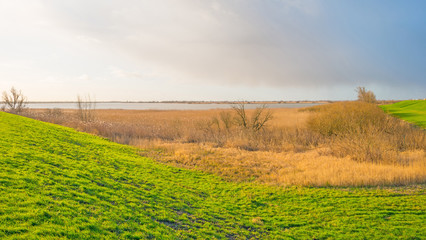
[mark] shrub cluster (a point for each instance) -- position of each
(362, 130)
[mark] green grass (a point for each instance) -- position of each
(56, 183)
(413, 111)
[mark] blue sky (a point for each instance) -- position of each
(213, 50)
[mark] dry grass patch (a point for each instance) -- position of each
(365, 133)
(309, 168)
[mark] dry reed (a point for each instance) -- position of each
(344, 144)
(364, 132)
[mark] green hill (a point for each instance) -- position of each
(413, 111)
(56, 183)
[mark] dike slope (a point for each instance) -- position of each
(57, 183)
(413, 111)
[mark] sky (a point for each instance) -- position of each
(213, 50)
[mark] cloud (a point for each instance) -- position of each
(251, 42)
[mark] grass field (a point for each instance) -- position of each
(413, 111)
(57, 183)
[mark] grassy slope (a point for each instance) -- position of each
(411, 110)
(56, 182)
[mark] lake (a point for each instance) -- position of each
(165, 106)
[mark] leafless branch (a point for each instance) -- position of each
(14, 101)
(86, 108)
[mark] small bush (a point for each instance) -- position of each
(346, 118)
(364, 132)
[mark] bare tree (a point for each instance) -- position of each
(86, 108)
(14, 101)
(256, 121)
(260, 117)
(365, 96)
(242, 118)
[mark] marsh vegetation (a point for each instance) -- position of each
(339, 144)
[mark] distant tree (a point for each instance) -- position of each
(86, 108)
(14, 101)
(365, 96)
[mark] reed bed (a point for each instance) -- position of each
(340, 144)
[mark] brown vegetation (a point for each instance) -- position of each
(85, 109)
(339, 144)
(14, 101)
(365, 96)
(364, 132)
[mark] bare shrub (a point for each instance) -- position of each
(56, 116)
(14, 101)
(346, 118)
(241, 128)
(241, 119)
(365, 96)
(86, 108)
(256, 121)
(364, 132)
(260, 117)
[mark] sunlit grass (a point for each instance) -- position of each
(413, 111)
(57, 183)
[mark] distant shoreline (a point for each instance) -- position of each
(193, 102)
(167, 105)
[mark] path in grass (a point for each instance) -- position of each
(413, 111)
(58, 183)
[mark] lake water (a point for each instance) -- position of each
(165, 106)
